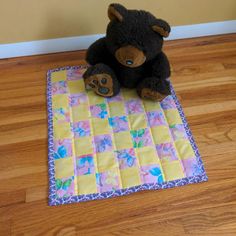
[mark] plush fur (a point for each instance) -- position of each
(132, 50)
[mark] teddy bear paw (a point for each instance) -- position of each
(101, 79)
(152, 95)
(101, 84)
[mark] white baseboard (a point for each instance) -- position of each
(204, 29)
(83, 42)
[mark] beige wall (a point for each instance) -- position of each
(27, 20)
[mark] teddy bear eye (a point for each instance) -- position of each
(103, 80)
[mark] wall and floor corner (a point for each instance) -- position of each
(38, 27)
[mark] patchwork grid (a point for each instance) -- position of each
(103, 147)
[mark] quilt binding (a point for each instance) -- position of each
(53, 200)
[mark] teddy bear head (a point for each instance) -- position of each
(134, 36)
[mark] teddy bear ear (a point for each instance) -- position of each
(162, 28)
(116, 12)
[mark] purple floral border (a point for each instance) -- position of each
(53, 200)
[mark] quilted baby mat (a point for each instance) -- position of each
(104, 147)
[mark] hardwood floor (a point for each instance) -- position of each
(204, 76)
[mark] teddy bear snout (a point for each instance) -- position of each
(130, 56)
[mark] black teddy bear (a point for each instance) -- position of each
(130, 55)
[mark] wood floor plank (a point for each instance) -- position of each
(154, 206)
(207, 83)
(208, 222)
(24, 131)
(5, 227)
(24, 181)
(36, 193)
(23, 154)
(204, 77)
(210, 108)
(11, 198)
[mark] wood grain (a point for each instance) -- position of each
(204, 76)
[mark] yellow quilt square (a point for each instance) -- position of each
(100, 126)
(173, 117)
(64, 167)
(173, 171)
(129, 94)
(86, 184)
(116, 109)
(106, 161)
(130, 177)
(62, 130)
(147, 156)
(123, 140)
(61, 115)
(184, 148)
(94, 98)
(83, 146)
(151, 105)
(80, 112)
(76, 86)
(137, 121)
(58, 76)
(161, 134)
(60, 101)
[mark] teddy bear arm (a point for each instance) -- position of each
(156, 85)
(98, 52)
(160, 67)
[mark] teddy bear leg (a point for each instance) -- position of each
(102, 80)
(154, 88)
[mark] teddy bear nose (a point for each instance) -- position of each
(129, 62)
